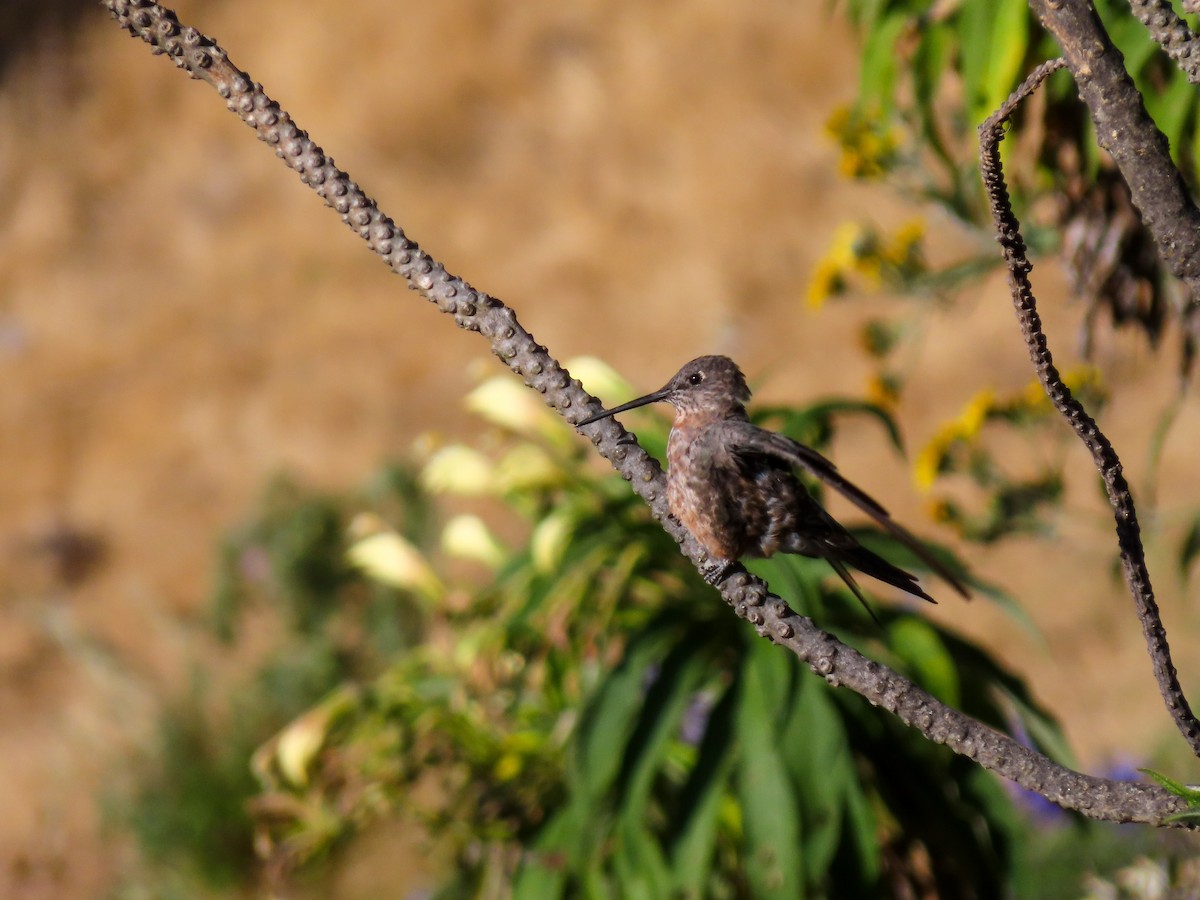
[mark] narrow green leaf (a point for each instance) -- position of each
(611, 717)
(1008, 47)
(1173, 110)
(773, 861)
(863, 835)
(660, 713)
(698, 817)
(918, 644)
(817, 754)
(642, 871)
(877, 72)
(1045, 733)
(975, 41)
(1178, 788)
(813, 424)
(542, 872)
(929, 66)
(1190, 548)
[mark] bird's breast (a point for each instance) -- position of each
(702, 492)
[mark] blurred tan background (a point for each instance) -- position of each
(180, 319)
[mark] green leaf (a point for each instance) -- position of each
(930, 64)
(1190, 548)
(697, 819)
(610, 719)
(1172, 110)
(917, 642)
(660, 714)
(1047, 737)
(1186, 792)
(817, 754)
(541, 874)
(642, 871)
(1006, 56)
(877, 73)
(975, 38)
(772, 860)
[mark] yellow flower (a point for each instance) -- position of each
(904, 249)
(507, 767)
(829, 277)
(928, 464)
(962, 429)
(868, 145)
(973, 417)
(1083, 381)
(827, 281)
(850, 241)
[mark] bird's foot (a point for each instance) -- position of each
(714, 571)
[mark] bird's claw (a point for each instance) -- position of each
(714, 573)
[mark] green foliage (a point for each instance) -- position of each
(190, 809)
(932, 72)
(588, 719)
(190, 805)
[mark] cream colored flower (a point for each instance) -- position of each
(460, 470)
(467, 537)
(387, 557)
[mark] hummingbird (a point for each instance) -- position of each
(733, 485)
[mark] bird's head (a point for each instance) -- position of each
(712, 385)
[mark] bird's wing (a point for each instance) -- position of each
(746, 438)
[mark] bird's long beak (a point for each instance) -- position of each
(658, 395)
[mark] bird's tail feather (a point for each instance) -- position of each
(845, 575)
(877, 567)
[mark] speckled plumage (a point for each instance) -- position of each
(732, 484)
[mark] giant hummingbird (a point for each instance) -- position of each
(733, 484)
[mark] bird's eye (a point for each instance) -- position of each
(696, 377)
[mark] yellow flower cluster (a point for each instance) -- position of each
(960, 430)
(1026, 404)
(867, 143)
(861, 254)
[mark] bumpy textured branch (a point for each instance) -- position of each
(1133, 558)
(1171, 33)
(476, 311)
(1126, 131)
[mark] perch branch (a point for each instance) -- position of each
(476, 311)
(1133, 557)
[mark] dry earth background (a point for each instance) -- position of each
(180, 319)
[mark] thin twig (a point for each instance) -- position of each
(1133, 556)
(474, 310)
